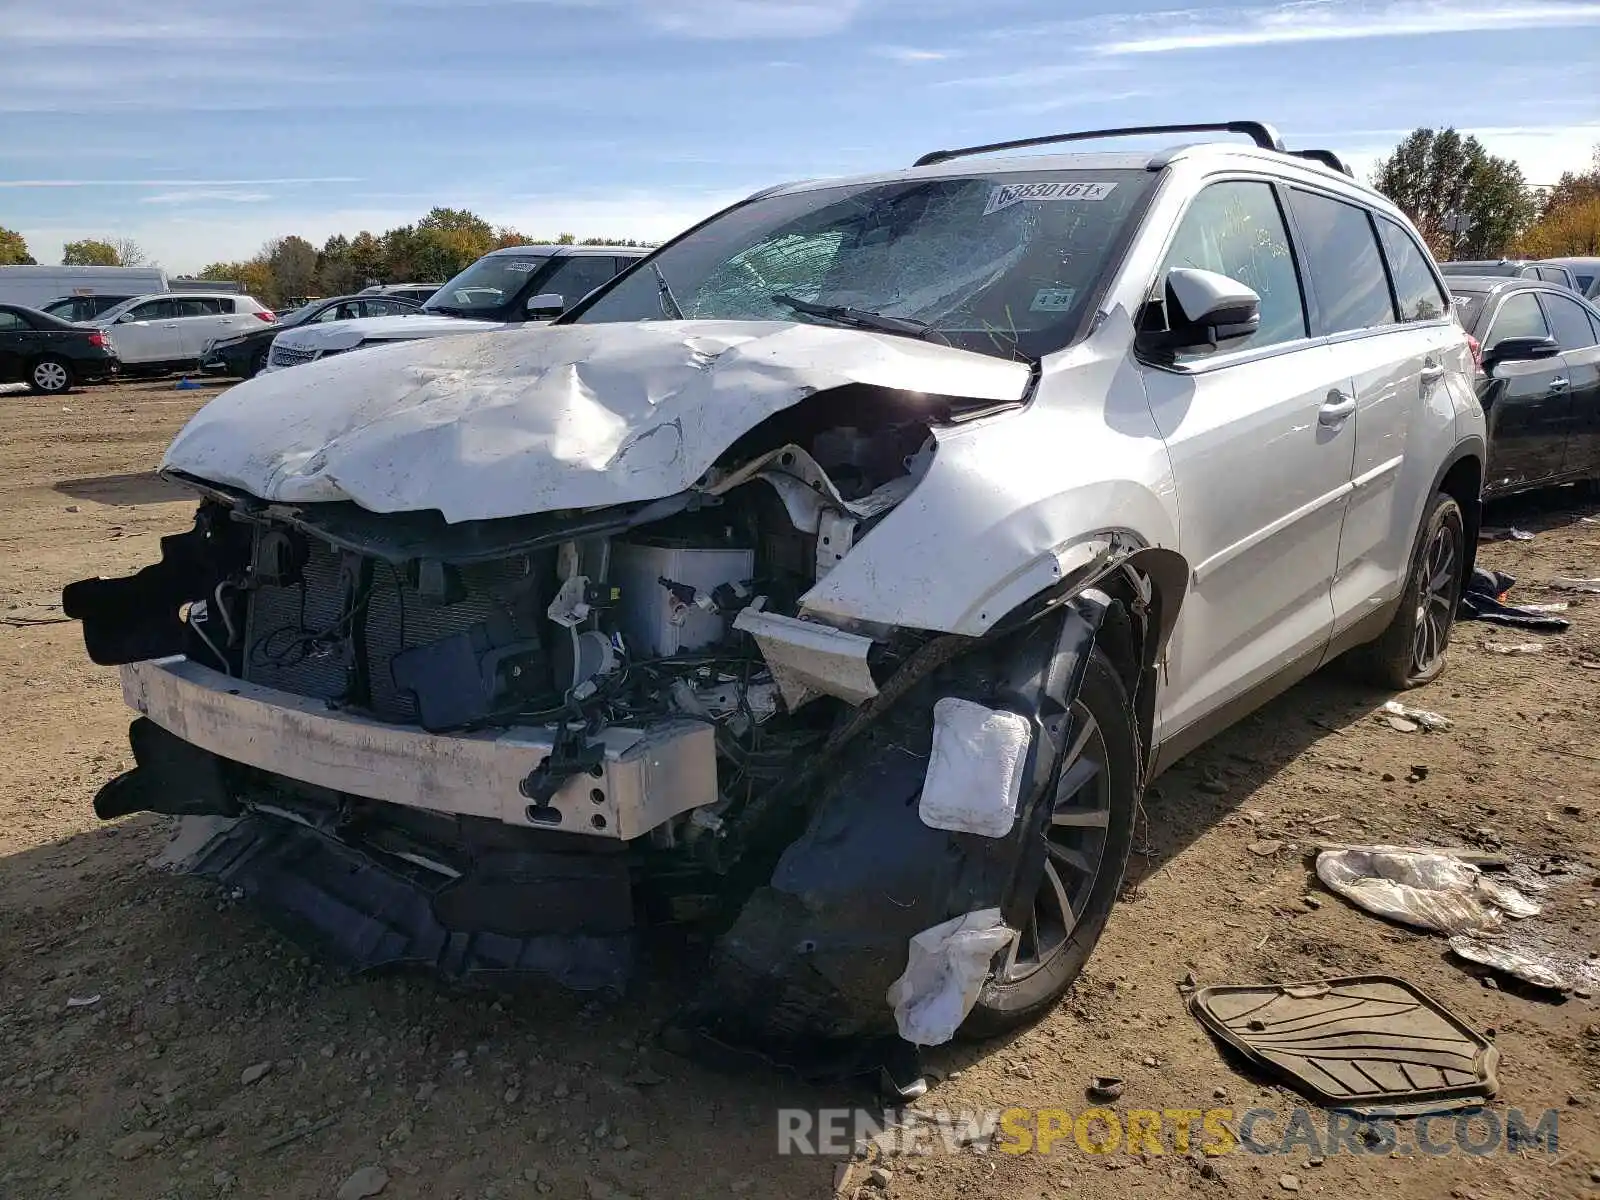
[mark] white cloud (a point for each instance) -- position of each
(173, 183)
(911, 54)
(1335, 20)
(205, 195)
(728, 19)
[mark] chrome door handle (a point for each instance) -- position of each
(1559, 383)
(1337, 407)
(1432, 372)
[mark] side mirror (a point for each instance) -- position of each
(125, 318)
(546, 302)
(1520, 349)
(1205, 312)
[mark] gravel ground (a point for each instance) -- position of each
(157, 1041)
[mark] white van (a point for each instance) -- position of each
(37, 286)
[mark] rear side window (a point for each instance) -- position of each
(1343, 263)
(1519, 316)
(1568, 321)
(1235, 229)
(11, 323)
(1420, 296)
(153, 310)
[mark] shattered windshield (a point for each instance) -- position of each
(1003, 264)
(486, 285)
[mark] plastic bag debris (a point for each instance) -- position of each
(1512, 534)
(1421, 887)
(1513, 647)
(1517, 963)
(945, 971)
(1420, 717)
(1575, 585)
(975, 768)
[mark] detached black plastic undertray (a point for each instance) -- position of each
(1369, 1044)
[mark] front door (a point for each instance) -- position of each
(1261, 446)
(1527, 403)
(148, 333)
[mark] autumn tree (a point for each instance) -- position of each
(1572, 231)
(1466, 202)
(129, 253)
(293, 263)
(1573, 187)
(14, 249)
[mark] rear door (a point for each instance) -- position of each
(148, 333)
(1261, 473)
(1574, 328)
(1527, 403)
(1390, 319)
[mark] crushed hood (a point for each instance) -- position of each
(346, 335)
(534, 419)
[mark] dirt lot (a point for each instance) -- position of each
(153, 1089)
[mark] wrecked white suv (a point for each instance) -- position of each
(839, 577)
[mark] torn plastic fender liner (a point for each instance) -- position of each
(371, 914)
(808, 962)
(138, 617)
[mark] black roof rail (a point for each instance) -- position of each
(1262, 134)
(1327, 158)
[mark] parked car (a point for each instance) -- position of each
(169, 332)
(1539, 383)
(35, 286)
(840, 574)
(48, 354)
(502, 289)
(244, 354)
(1549, 272)
(417, 292)
(82, 308)
(1585, 274)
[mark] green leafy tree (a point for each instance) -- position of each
(90, 252)
(1466, 202)
(293, 263)
(14, 249)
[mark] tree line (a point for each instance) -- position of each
(441, 244)
(1466, 202)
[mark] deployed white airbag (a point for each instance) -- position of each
(975, 769)
(945, 972)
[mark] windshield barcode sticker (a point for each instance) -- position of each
(1016, 193)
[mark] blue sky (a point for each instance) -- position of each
(201, 128)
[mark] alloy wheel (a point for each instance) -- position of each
(1074, 847)
(1435, 600)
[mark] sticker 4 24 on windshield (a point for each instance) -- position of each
(1015, 193)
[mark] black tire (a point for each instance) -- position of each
(258, 362)
(1037, 986)
(1412, 650)
(50, 376)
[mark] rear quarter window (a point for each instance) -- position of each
(1418, 294)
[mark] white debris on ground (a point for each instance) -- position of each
(1423, 887)
(1418, 718)
(1575, 585)
(1517, 963)
(945, 971)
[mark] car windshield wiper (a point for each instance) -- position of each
(670, 307)
(443, 309)
(860, 318)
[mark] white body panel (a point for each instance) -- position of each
(175, 338)
(336, 337)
